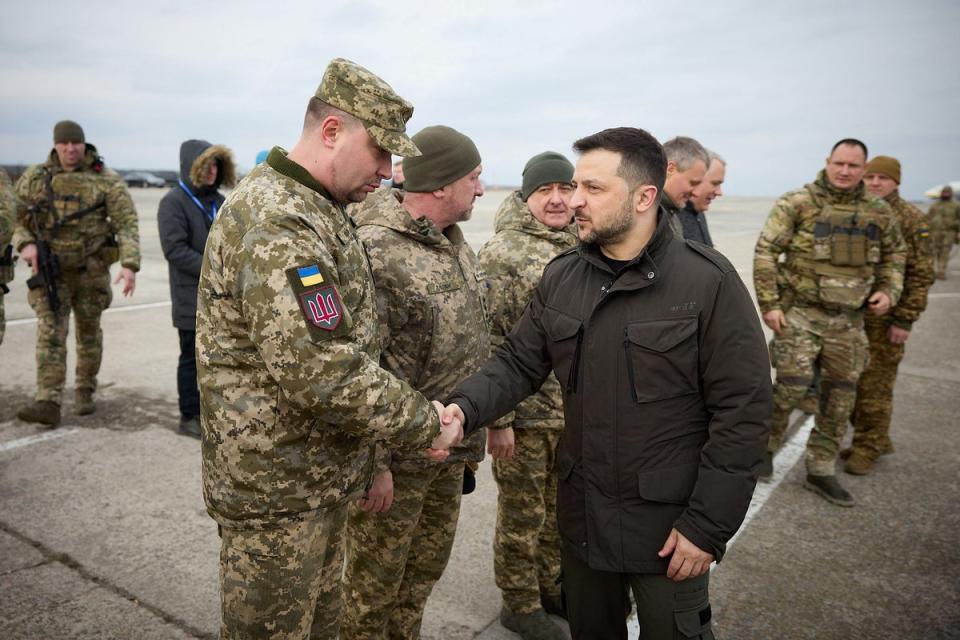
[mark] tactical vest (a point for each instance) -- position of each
(73, 245)
(846, 251)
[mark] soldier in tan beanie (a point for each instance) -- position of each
(888, 333)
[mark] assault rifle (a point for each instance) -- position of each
(48, 267)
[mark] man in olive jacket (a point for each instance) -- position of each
(667, 397)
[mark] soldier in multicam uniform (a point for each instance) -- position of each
(888, 334)
(844, 251)
(944, 219)
(533, 226)
(8, 217)
(86, 214)
(293, 401)
(433, 330)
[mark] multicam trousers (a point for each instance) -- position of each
(285, 582)
(839, 341)
(526, 546)
(874, 407)
(395, 558)
(87, 293)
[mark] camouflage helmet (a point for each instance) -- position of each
(351, 88)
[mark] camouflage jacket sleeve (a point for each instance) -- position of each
(325, 372)
(505, 297)
(22, 232)
(123, 222)
(919, 274)
(893, 258)
(8, 210)
(774, 239)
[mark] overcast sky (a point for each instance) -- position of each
(769, 85)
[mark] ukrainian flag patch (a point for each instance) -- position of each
(310, 275)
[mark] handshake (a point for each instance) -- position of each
(451, 431)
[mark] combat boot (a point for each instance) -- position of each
(83, 402)
(531, 626)
(42, 411)
(190, 427)
(858, 464)
(829, 489)
(766, 467)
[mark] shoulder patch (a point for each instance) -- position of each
(319, 301)
(714, 256)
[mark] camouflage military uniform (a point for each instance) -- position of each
(8, 213)
(944, 218)
(85, 251)
(874, 406)
(840, 246)
(526, 545)
(433, 332)
(292, 399)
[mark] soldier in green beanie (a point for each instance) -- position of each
(84, 213)
(434, 329)
(533, 225)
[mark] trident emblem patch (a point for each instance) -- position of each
(322, 307)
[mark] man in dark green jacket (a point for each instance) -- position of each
(667, 397)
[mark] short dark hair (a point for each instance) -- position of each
(642, 160)
(853, 142)
(318, 110)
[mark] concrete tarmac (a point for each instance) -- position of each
(104, 534)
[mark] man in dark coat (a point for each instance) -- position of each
(184, 217)
(693, 215)
(666, 395)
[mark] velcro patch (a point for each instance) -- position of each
(322, 307)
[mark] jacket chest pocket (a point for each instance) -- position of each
(662, 358)
(566, 336)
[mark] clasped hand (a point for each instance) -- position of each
(451, 431)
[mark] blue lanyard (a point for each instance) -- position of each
(213, 205)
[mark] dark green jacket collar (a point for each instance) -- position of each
(282, 164)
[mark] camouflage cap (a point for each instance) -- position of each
(351, 88)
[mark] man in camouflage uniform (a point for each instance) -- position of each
(8, 213)
(944, 218)
(888, 334)
(687, 162)
(433, 330)
(85, 213)
(843, 252)
(533, 225)
(293, 402)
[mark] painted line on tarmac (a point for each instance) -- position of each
(786, 458)
(37, 438)
(128, 307)
(943, 295)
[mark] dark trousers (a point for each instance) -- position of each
(666, 610)
(187, 375)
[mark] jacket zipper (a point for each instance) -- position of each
(572, 377)
(630, 374)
